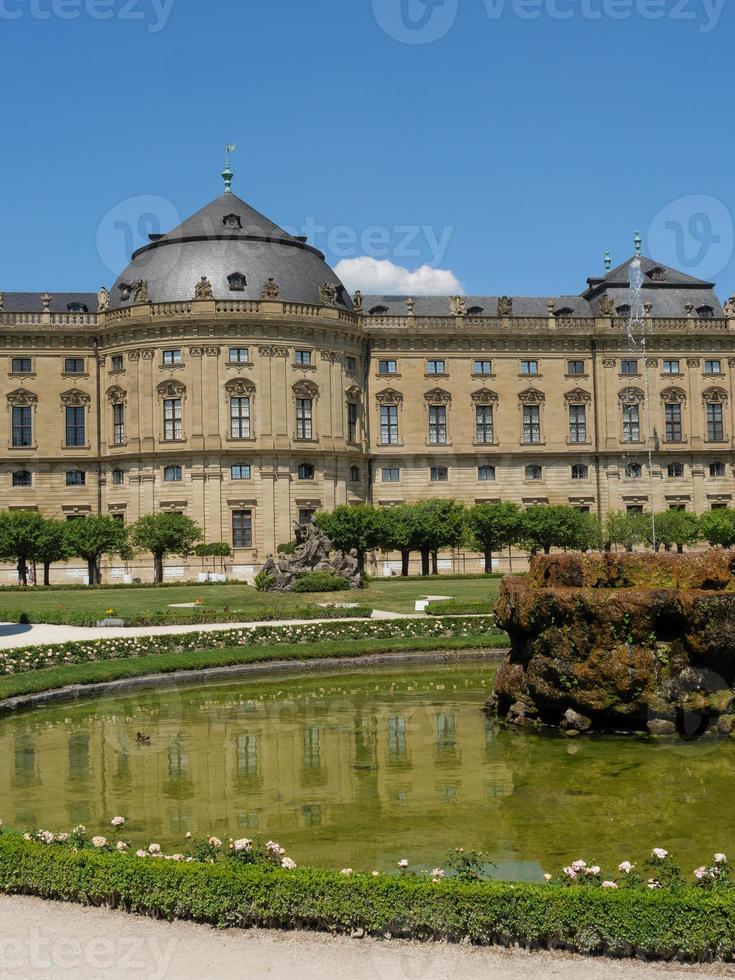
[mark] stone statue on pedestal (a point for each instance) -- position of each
(313, 553)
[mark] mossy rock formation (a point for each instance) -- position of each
(628, 642)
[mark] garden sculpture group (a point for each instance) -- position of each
(313, 553)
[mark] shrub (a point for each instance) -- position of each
(262, 581)
(191, 617)
(320, 582)
(461, 607)
(686, 924)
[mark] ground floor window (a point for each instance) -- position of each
(242, 528)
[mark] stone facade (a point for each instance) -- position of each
(249, 413)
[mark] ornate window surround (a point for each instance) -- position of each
(22, 398)
(532, 396)
(170, 390)
(74, 398)
(484, 397)
(240, 388)
(438, 398)
(632, 396)
(306, 389)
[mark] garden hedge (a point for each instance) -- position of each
(461, 607)
(686, 924)
(21, 659)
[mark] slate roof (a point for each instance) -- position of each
(32, 302)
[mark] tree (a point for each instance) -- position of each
(93, 536)
(351, 527)
(20, 532)
(438, 524)
(676, 527)
(397, 531)
(164, 534)
(558, 526)
(718, 527)
(624, 529)
(52, 545)
(215, 549)
(494, 526)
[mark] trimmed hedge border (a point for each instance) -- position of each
(57, 617)
(461, 607)
(22, 659)
(683, 924)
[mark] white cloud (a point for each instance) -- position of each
(385, 278)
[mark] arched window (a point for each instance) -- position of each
(474, 311)
(675, 470)
(633, 471)
(77, 308)
(580, 471)
(486, 472)
(354, 474)
(534, 472)
(623, 310)
(378, 310)
(75, 478)
(564, 311)
(118, 477)
(22, 478)
(306, 471)
(705, 312)
(717, 469)
(237, 282)
(172, 474)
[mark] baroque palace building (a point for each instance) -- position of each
(229, 375)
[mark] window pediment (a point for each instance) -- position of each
(171, 389)
(116, 395)
(74, 397)
(389, 396)
(531, 396)
(631, 396)
(305, 389)
(353, 393)
(21, 397)
(240, 387)
(673, 396)
(437, 396)
(484, 396)
(578, 396)
(712, 395)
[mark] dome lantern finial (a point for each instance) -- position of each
(608, 261)
(227, 173)
(638, 241)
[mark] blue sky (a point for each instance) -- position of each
(506, 153)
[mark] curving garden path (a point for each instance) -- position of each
(15, 635)
(48, 940)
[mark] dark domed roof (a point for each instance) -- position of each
(238, 250)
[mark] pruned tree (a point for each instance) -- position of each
(558, 526)
(494, 526)
(92, 537)
(398, 531)
(718, 527)
(674, 528)
(20, 533)
(165, 534)
(351, 526)
(52, 546)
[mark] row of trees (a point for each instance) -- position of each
(430, 526)
(26, 537)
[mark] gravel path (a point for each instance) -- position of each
(67, 942)
(15, 635)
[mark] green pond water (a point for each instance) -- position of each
(361, 770)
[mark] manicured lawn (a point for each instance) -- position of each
(109, 670)
(392, 594)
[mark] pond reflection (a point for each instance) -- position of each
(362, 770)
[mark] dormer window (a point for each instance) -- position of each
(378, 311)
(77, 308)
(232, 221)
(126, 290)
(656, 274)
(705, 312)
(237, 282)
(474, 311)
(623, 310)
(564, 311)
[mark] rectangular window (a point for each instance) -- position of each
(116, 362)
(715, 422)
(672, 419)
(671, 367)
(75, 435)
(118, 424)
(303, 418)
(351, 422)
(529, 367)
(387, 367)
(306, 515)
(303, 357)
(239, 355)
(172, 426)
(436, 367)
(22, 426)
(240, 471)
(22, 478)
(242, 528)
(21, 365)
(439, 474)
(73, 365)
(388, 425)
(631, 423)
(75, 478)
(484, 423)
(531, 423)
(577, 423)
(351, 364)
(575, 367)
(713, 367)
(118, 477)
(629, 366)
(172, 357)
(240, 418)
(437, 425)
(390, 474)
(482, 367)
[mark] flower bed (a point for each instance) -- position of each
(193, 617)
(22, 659)
(256, 885)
